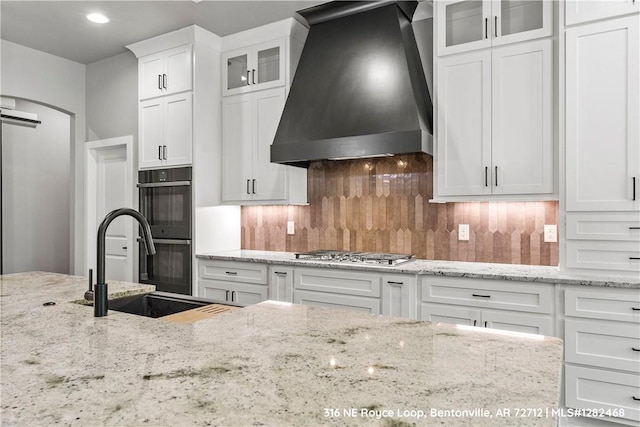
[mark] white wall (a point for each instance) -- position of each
(34, 75)
(36, 192)
(112, 97)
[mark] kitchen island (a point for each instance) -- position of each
(267, 364)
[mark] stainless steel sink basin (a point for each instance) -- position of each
(158, 304)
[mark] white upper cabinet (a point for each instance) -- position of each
(603, 116)
(250, 123)
(255, 67)
(580, 11)
(495, 122)
(463, 25)
(165, 131)
(165, 73)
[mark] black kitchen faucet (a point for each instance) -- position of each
(100, 296)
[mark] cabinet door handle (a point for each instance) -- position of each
(486, 28)
(496, 25)
(248, 183)
(253, 186)
(496, 176)
(481, 296)
(486, 176)
(253, 77)
(475, 322)
(391, 282)
(164, 152)
(248, 81)
(160, 81)
(159, 152)
(485, 324)
(164, 81)
(226, 295)
(634, 188)
(233, 296)
(232, 273)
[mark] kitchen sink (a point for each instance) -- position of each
(159, 304)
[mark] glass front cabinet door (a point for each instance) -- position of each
(254, 67)
(464, 25)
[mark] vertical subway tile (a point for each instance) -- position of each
(382, 204)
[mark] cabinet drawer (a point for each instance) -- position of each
(613, 345)
(604, 390)
(509, 295)
(599, 255)
(621, 305)
(622, 227)
(345, 302)
(340, 282)
(246, 272)
(449, 314)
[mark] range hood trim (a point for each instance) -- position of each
(301, 153)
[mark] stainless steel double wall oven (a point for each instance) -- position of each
(166, 202)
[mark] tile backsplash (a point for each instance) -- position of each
(382, 205)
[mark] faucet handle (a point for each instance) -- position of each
(88, 295)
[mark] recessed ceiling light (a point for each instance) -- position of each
(98, 18)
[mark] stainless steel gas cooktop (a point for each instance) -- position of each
(388, 259)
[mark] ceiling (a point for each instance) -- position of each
(60, 27)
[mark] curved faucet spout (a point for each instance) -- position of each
(100, 298)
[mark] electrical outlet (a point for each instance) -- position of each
(551, 233)
(291, 227)
(463, 232)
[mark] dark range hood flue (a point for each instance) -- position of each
(359, 89)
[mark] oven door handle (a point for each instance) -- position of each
(169, 241)
(165, 184)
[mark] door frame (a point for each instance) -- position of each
(92, 149)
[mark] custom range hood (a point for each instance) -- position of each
(359, 89)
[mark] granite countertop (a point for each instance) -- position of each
(266, 364)
(478, 270)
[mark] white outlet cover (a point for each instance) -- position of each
(550, 233)
(463, 232)
(291, 227)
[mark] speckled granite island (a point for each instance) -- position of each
(267, 364)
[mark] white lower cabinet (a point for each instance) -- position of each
(281, 283)
(602, 352)
(399, 295)
(506, 305)
(349, 290)
(240, 282)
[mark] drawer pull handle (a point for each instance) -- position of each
(281, 273)
(634, 257)
(481, 296)
(634, 228)
(635, 309)
(233, 273)
(391, 282)
(635, 349)
(635, 398)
